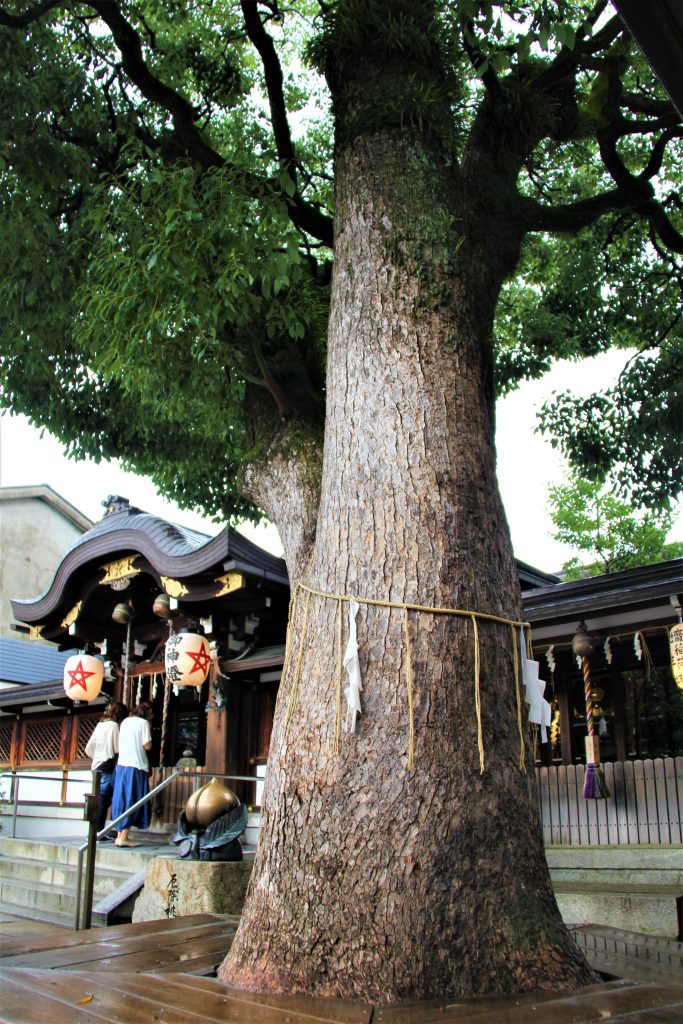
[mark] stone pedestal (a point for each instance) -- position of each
(177, 888)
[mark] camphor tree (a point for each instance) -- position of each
(258, 252)
(589, 517)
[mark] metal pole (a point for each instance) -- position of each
(79, 886)
(92, 810)
(129, 810)
(15, 808)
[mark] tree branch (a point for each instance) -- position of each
(567, 61)
(628, 184)
(573, 217)
(640, 104)
(659, 221)
(28, 17)
(285, 482)
(654, 164)
(636, 196)
(133, 63)
(300, 212)
(184, 115)
(274, 85)
(269, 382)
(488, 77)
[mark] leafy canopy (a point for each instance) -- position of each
(167, 199)
(589, 517)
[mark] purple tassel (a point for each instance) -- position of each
(594, 785)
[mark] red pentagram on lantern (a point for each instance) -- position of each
(201, 660)
(79, 676)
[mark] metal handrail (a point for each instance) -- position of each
(94, 836)
(16, 776)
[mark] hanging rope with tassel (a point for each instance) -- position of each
(594, 785)
(405, 608)
(158, 809)
(164, 722)
(126, 666)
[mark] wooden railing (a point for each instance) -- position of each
(644, 806)
(171, 800)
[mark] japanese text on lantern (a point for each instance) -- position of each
(676, 646)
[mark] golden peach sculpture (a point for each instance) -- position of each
(208, 803)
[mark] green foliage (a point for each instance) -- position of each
(577, 297)
(142, 296)
(609, 286)
(164, 269)
(587, 516)
(635, 427)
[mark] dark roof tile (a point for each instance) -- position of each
(24, 662)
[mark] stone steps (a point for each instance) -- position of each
(38, 879)
(634, 888)
(63, 876)
(617, 864)
(630, 954)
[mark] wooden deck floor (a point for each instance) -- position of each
(160, 971)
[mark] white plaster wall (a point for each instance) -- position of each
(34, 536)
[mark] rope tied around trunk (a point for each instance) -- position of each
(405, 607)
(520, 723)
(297, 675)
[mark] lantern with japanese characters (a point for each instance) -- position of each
(83, 676)
(188, 658)
(676, 647)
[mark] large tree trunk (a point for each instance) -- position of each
(373, 879)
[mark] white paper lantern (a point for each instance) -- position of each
(83, 676)
(188, 658)
(676, 647)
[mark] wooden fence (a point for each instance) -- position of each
(171, 801)
(644, 806)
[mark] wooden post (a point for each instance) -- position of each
(564, 700)
(216, 735)
(91, 813)
(619, 705)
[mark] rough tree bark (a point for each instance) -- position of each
(285, 483)
(375, 880)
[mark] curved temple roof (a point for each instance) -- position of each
(169, 549)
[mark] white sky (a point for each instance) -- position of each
(526, 466)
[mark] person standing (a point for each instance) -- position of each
(102, 748)
(131, 781)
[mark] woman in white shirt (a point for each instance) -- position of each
(131, 781)
(102, 748)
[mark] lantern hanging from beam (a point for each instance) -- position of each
(83, 676)
(162, 606)
(188, 659)
(676, 647)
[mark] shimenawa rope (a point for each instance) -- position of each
(405, 607)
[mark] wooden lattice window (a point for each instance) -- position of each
(6, 730)
(43, 741)
(86, 727)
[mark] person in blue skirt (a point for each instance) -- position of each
(103, 748)
(131, 779)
